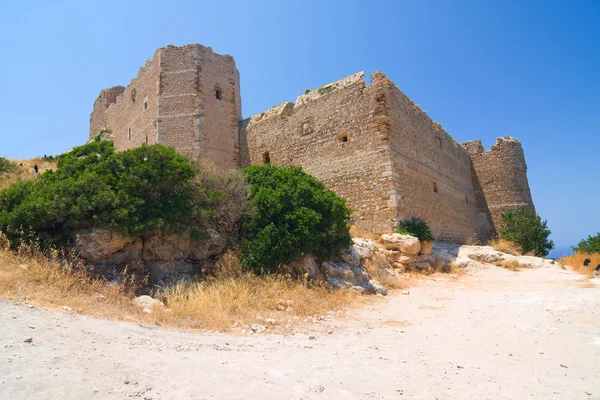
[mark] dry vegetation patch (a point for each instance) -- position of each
(575, 262)
(506, 246)
(25, 172)
(218, 303)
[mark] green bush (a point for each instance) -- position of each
(588, 246)
(138, 191)
(6, 165)
(527, 230)
(416, 226)
(293, 215)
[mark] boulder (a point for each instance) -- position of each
(203, 249)
(364, 248)
(311, 267)
(349, 256)
(426, 247)
(101, 244)
(405, 243)
(147, 302)
(166, 247)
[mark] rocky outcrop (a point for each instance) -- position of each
(406, 244)
(161, 255)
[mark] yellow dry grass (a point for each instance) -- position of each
(506, 246)
(575, 262)
(357, 232)
(510, 265)
(25, 172)
(217, 304)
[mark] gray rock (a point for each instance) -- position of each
(258, 328)
(364, 248)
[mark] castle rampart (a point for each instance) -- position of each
(371, 144)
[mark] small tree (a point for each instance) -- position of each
(293, 215)
(527, 230)
(418, 227)
(589, 245)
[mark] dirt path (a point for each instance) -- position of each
(493, 334)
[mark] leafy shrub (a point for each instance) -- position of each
(527, 230)
(416, 226)
(6, 165)
(293, 214)
(138, 191)
(589, 246)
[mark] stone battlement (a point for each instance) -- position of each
(371, 144)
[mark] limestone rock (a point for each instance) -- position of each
(203, 249)
(311, 267)
(350, 257)
(426, 247)
(147, 302)
(100, 244)
(405, 243)
(166, 247)
(364, 248)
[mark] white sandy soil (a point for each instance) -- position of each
(492, 334)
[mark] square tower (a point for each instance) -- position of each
(185, 97)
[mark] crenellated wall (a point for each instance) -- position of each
(373, 146)
(501, 176)
(431, 171)
(335, 134)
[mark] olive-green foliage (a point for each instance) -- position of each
(138, 191)
(589, 246)
(6, 165)
(416, 226)
(294, 215)
(527, 230)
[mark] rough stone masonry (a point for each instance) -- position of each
(371, 144)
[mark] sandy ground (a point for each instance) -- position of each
(492, 334)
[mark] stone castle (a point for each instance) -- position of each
(371, 144)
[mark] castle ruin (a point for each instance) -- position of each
(371, 144)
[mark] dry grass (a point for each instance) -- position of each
(510, 265)
(575, 262)
(357, 232)
(218, 303)
(506, 246)
(25, 172)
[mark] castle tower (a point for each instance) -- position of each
(185, 97)
(500, 181)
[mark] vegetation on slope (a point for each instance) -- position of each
(218, 303)
(294, 215)
(416, 226)
(526, 230)
(150, 188)
(590, 245)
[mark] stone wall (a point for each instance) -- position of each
(375, 148)
(431, 171)
(501, 174)
(98, 120)
(334, 133)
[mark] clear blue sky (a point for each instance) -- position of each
(484, 69)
